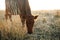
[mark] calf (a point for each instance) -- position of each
(23, 10)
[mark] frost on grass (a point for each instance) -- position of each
(46, 27)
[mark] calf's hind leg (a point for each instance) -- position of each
(6, 17)
(10, 17)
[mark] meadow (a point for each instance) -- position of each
(46, 27)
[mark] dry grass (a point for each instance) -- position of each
(46, 27)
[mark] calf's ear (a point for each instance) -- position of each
(35, 17)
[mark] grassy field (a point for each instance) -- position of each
(46, 27)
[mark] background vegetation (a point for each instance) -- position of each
(46, 27)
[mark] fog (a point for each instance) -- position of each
(38, 4)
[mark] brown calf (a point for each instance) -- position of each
(22, 8)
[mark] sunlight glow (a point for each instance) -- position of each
(2, 4)
(38, 4)
(44, 4)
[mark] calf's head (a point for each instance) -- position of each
(30, 23)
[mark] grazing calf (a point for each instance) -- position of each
(22, 8)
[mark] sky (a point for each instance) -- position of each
(38, 4)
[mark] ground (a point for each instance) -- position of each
(46, 27)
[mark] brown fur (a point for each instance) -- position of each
(25, 13)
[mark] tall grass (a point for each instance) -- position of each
(46, 27)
